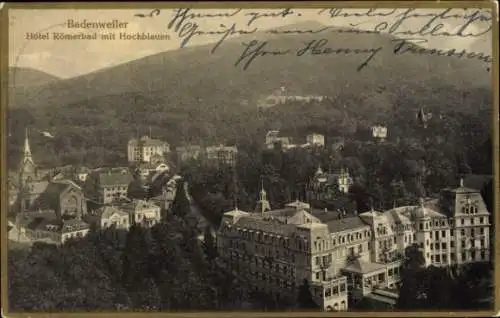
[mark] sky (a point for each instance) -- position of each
(69, 58)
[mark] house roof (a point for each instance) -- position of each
(138, 205)
(72, 225)
(112, 178)
(476, 181)
(270, 226)
(358, 266)
(50, 197)
(36, 187)
(346, 223)
(148, 142)
(107, 211)
(188, 148)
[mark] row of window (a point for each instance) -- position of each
(465, 257)
(335, 291)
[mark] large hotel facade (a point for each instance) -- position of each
(352, 256)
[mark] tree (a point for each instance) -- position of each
(181, 207)
(410, 294)
(209, 244)
(305, 299)
(136, 189)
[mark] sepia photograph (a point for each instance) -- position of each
(245, 158)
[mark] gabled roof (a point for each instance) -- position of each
(477, 181)
(112, 178)
(148, 142)
(358, 266)
(73, 225)
(50, 197)
(346, 223)
(270, 226)
(36, 187)
(108, 211)
(138, 205)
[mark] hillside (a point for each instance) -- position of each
(189, 95)
(181, 76)
(24, 80)
(25, 76)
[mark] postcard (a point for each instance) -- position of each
(162, 158)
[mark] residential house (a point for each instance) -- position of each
(141, 150)
(222, 155)
(142, 212)
(325, 186)
(379, 132)
(108, 216)
(107, 185)
(47, 228)
(190, 152)
(273, 138)
(63, 197)
(316, 140)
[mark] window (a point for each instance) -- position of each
(438, 258)
(462, 221)
(317, 275)
(452, 244)
(437, 235)
(328, 292)
(443, 245)
(443, 234)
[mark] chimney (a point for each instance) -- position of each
(461, 182)
(326, 210)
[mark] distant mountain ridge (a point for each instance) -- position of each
(26, 76)
(181, 73)
(190, 95)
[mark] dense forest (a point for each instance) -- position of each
(95, 132)
(439, 288)
(165, 267)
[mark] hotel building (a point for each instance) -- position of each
(350, 256)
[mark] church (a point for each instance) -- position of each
(46, 210)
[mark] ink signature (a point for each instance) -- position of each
(471, 24)
(431, 26)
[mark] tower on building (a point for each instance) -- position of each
(27, 171)
(263, 204)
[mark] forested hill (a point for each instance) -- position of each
(190, 95)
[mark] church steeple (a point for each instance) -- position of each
(28, 168)
(27, 149)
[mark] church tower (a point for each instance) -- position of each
(27, 171)
(263, 204)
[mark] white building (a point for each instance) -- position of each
(357, 255)
(142, 212)
(379, 132)
(317, 140)
(142, 149)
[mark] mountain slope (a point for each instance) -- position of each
(184, 76)
(192, 96)
(26, 76)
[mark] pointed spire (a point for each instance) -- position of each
(27, 148)
(319, 170)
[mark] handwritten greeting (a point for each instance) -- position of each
(410, 30)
